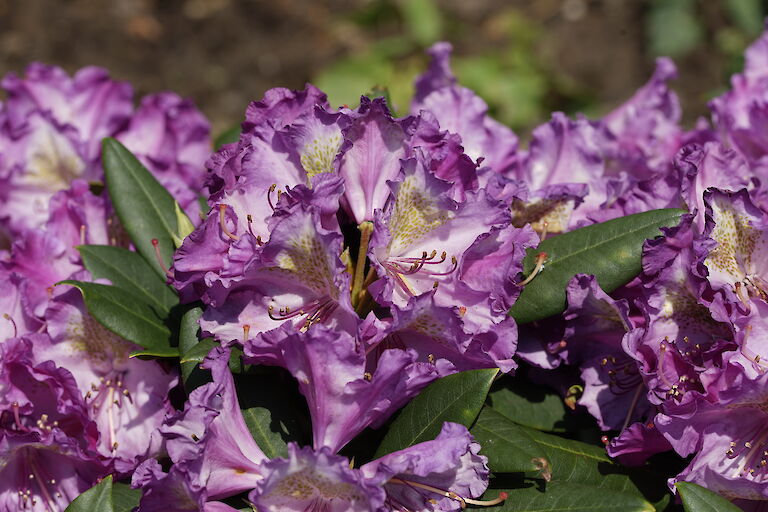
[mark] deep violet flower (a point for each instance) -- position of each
(43, 473)
(332, 373)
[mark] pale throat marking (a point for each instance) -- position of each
(318, 155)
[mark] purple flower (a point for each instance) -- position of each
(710, 165)
(315, 480)
(91, 102)
(297, 278)
(127, 397)
(740, 115)
(734, 256)
(39, 158)
(461, 111)
(210, 436)
(176, 491)
(43, 473)
(374, 144)
(41, 397)
(637, 443)
(342, 395)
(444, 474)
(172, 138)
(646, 126)
(728, 436)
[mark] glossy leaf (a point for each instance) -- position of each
(275, 415)
(192, 350)
(98, 497)
(127, 316)
(528, 404)
(610, 251)
(129, 271)
(125, 499)
(540, 496)
(507, 445)
(567, 460)
(698, 499)
(457, 398)
(145, 208)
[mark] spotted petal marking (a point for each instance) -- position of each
(740, 257)
(414, 215)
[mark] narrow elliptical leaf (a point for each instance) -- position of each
(127, 316)
(129, 271)
(145, 208)
(610, 251)
(457, 398)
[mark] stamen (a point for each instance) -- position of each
(632, 405)
(82, 234)
(450, 494)
(159, 257)
(540, 259)
(269, 195)
(544, 230)
(743, 295)
(246, 330)
(249, 218)
(111, 418)
(16, 417)
(223, 222)
(13, 323)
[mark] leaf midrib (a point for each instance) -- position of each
(262, 432)
(119, 270)
(558, 260)
(441, 412)
(152, 323)
(132, 173)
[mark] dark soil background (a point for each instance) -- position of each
(581, 54)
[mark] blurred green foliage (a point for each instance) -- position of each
(510, 74)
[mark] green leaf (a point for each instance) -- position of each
(192, 350)
(185, 226)
(507, 445)
(124, 498)
(610, 251)
(98, 497)
(129, 271)
(539, 496)
(698, 499)
(126, 315)
(528, 404)
(145, 208)
(228, 136)
(457, 398)
(277, 417)
(566, 459)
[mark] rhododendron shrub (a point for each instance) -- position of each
(351, 309)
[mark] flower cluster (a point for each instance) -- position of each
(367, 255)
(75, 407)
